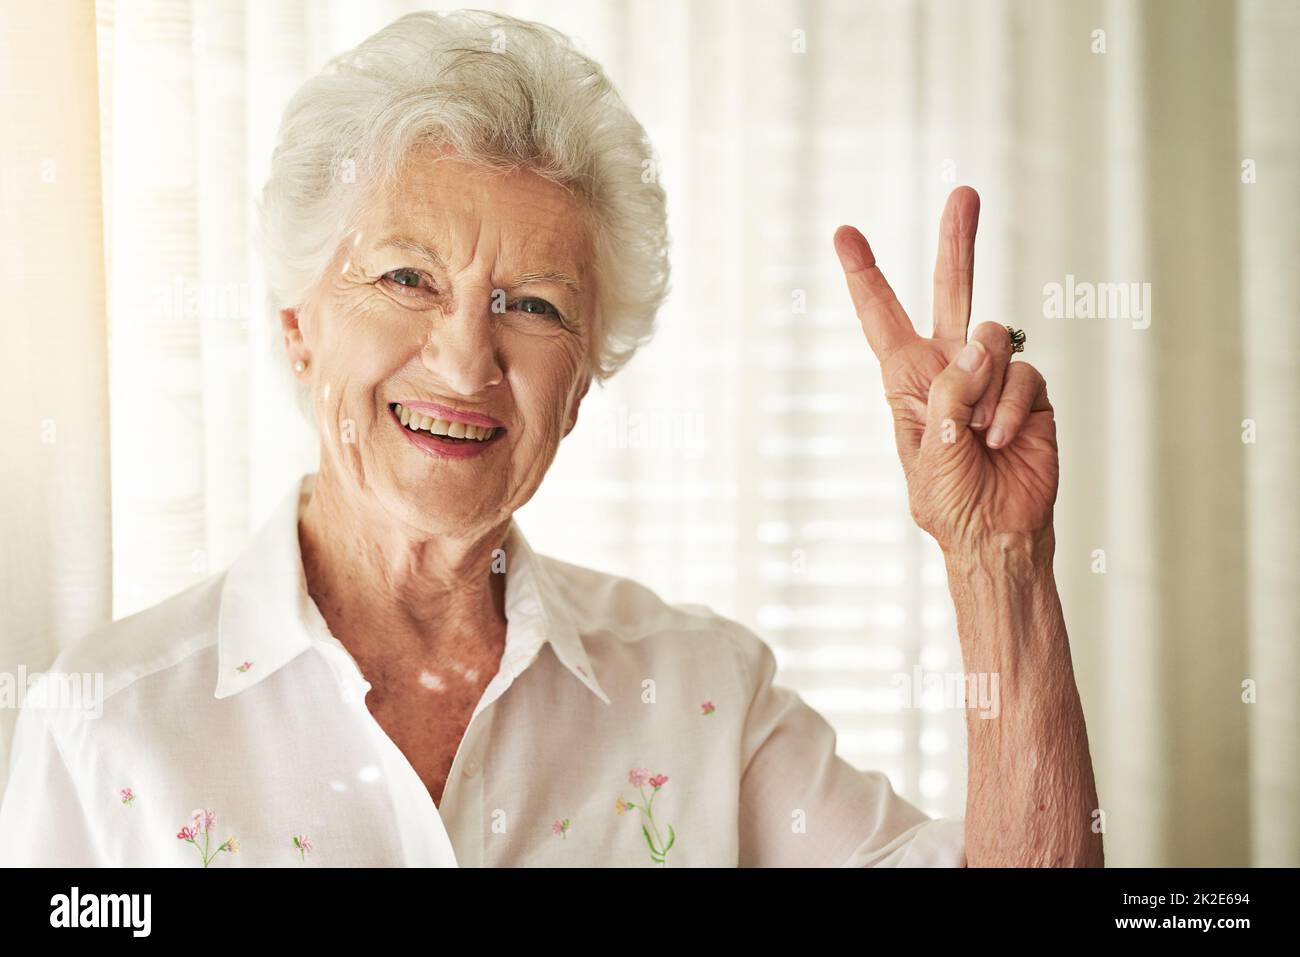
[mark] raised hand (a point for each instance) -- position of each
(975, 431)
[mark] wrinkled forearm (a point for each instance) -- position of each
(1031, 796)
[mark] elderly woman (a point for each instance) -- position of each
(462, 237)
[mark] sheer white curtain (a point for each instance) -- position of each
(745, 459)
(56, 560)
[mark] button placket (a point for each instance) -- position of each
(424, 833)
(463, 801)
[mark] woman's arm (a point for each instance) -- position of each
(976, 435)
(1030, 795)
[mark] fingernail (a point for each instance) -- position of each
(995, 436)
(972, 357)
(850, 252)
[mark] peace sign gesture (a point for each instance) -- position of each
(975, 431)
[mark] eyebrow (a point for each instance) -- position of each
(548, 276)
(431, 255)
(414, 246)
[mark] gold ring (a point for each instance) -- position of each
(1017, 339)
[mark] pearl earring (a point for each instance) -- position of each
(299, 366)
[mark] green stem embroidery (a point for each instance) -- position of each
(651, 815)
(659, 848)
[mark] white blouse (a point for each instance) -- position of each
(620, 731)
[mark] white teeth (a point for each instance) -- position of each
(456, 430)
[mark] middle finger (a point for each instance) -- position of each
(954, 269)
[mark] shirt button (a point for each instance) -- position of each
(471, 769)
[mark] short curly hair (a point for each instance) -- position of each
(503, 93)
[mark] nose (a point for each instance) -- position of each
(461, 350)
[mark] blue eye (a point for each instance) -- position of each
(405, 277)
(537, 307)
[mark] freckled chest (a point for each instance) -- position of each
(426, 709)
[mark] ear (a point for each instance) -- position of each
(294, 346)
(573, 410)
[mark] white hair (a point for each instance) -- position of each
(504, 94)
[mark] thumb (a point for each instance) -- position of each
(955, 391)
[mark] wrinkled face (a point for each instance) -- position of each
(463, 307)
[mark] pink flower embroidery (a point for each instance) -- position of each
(707, 708)
(203, 821)
(244, 667)
(561, 828)
(127, 796)
(303, 843)
(639, 778)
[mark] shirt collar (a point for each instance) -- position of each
(536, 606)
(266, 608)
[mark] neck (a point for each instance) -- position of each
(391, 592)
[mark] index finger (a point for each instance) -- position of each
(883, 319)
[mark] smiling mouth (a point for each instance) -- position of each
(444, 430)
